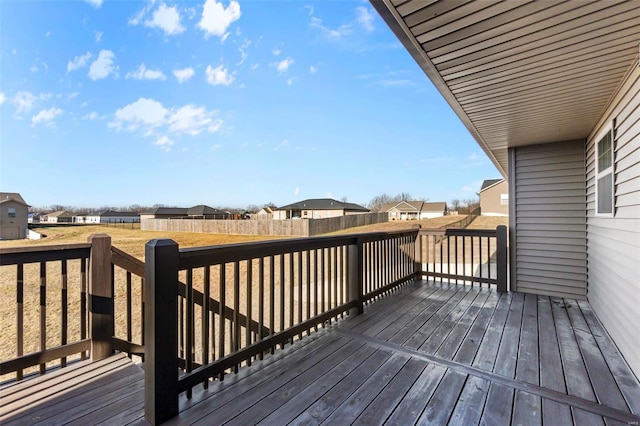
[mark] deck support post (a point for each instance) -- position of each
(354, 268)
(101, 322)
(501, 258)
(161, 331)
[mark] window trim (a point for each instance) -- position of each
(609, 170)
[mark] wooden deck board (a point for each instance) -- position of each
(429, 354)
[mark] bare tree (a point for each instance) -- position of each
(455, 204)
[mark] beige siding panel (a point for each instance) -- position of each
(550, 238)
(613, 243)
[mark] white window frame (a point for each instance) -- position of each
(504, 199)
(602, 173)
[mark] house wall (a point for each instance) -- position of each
(547, 219)
(13, 228)
(613, 243)
(490, 201)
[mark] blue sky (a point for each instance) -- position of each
(220, 103)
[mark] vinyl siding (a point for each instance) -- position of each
(613, 243)
(548, 222)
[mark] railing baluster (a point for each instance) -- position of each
(129, 308)
(83, 304)
(223, 303)
(64, 310)
(282, 301)
(205, 315)
(322, 282)
(20, 315)
(308, 271)
(260, 299)
(300, 286)
(43, 311)
(291, 291)
(190, 326)
(236, 309)
(272, 297)
(315, 285)
(248, 340)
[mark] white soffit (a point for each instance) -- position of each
(520, 72)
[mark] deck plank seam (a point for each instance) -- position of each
(577, 402)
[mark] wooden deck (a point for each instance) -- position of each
(430, 354)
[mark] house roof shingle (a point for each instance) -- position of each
(12, 196)
(489, 183)
(202, 210)
(323, 204)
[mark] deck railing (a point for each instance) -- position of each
(465, 256)
(208, 311)
(75, 308)
(276, 292)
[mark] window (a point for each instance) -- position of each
(12, 212)
(604, 174)
(504, 199)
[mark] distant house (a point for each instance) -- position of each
(494, 198)
(13, 216)
(33, 218)
(111, 216)
(61, 216)
(263, 213)
(205, 212)
(414, 210)
(165, 213)
(317, 208)
(196, 212)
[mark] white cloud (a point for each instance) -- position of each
(190, 120)
(79, 62)
(143, 73)
(183, 74)
(276, 51)
(98, 36)
(95, 3)
(149, 117)
(296, 191)
(218, 75)
(164, 142)
(48, 34)
(216, 19)
(34, 68)
(332, 34)
(144, 112)
(24, 101)
(167, 19)
(103, 66)
(215, 125)
(91, 116)
(364, 18)
(290, 81)
(46, 116)
(2, 98)
(283, 65)
(313, 69)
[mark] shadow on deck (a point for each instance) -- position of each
(430, 354)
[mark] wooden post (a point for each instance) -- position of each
(100, 297)
(417, 254)
(161, 331)
(354, 268)
(501, 258)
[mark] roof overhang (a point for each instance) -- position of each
(520, 72)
